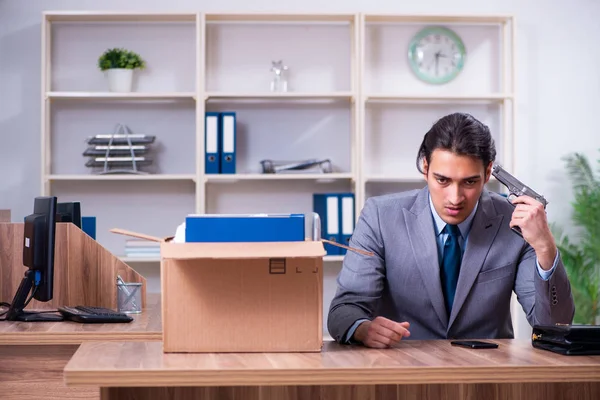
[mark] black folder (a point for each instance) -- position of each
(568, 340)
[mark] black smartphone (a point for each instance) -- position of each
(474, 344)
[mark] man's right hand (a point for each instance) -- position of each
(381, 332)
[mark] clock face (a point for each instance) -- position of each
(436, 55)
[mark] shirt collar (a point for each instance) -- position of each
(439, 223)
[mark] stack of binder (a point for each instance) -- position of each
(336, 211)
(220, 142)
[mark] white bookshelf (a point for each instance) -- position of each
(280, 96)
(278, 177)
(373, 97)
(81, 95)
(122, 177)
(352, 99)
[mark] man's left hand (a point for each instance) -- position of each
(530, 216)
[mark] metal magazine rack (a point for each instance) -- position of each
(121, 152)
(318, 166)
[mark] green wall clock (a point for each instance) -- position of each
(436, 54)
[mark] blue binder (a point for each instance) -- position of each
(245, 228)
(327, 205)
(212, 162)
(347, 210)
(228, 142)
(88, 225)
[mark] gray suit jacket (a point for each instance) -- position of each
(402, 280)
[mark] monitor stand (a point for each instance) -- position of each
(16, 313)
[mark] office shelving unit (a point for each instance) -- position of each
(352, 99)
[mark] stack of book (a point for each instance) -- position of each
(142, 249)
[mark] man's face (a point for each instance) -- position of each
(455, 184)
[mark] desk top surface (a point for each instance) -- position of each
(145, 326)
(416, 362)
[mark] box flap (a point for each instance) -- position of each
(136, 235)
(190, 251)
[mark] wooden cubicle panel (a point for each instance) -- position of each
(85, 273)
(5, 216)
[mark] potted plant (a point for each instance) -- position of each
(118, 65)
(581, 252)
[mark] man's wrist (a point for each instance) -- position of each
(546, 257)
(360, 332)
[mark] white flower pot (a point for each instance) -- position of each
(120, 79)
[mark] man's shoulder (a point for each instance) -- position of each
(405, 199)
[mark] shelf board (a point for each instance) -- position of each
(123, 177)
(274, 17)
(121, 96)
(279, 96)
(275, 177)
(438, 19)
(491, 97)
(333, 258)
(99, 16)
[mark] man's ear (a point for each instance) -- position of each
(425, 168)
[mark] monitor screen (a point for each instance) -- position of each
(38, 245)
(38, 256)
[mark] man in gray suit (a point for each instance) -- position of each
(445, 258)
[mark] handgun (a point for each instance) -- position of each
(515, 188)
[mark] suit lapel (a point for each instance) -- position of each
(419, 225)
(481, 236)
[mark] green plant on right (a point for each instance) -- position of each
(120, 58)
(580, 253)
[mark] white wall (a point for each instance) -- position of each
(558, 81)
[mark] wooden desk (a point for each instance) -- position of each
(415, 370)
(34, 354)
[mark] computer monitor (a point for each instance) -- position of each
(69, 212)
(38, 257)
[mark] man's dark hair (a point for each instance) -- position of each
(461, 134)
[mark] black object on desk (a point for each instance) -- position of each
(566, 339)
(98, 315)
(474, 344)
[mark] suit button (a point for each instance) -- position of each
(554, 302)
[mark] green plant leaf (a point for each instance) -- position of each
(120, 58)
(581, 252)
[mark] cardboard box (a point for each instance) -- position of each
(241, 297)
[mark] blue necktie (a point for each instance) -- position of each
(450, 264)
